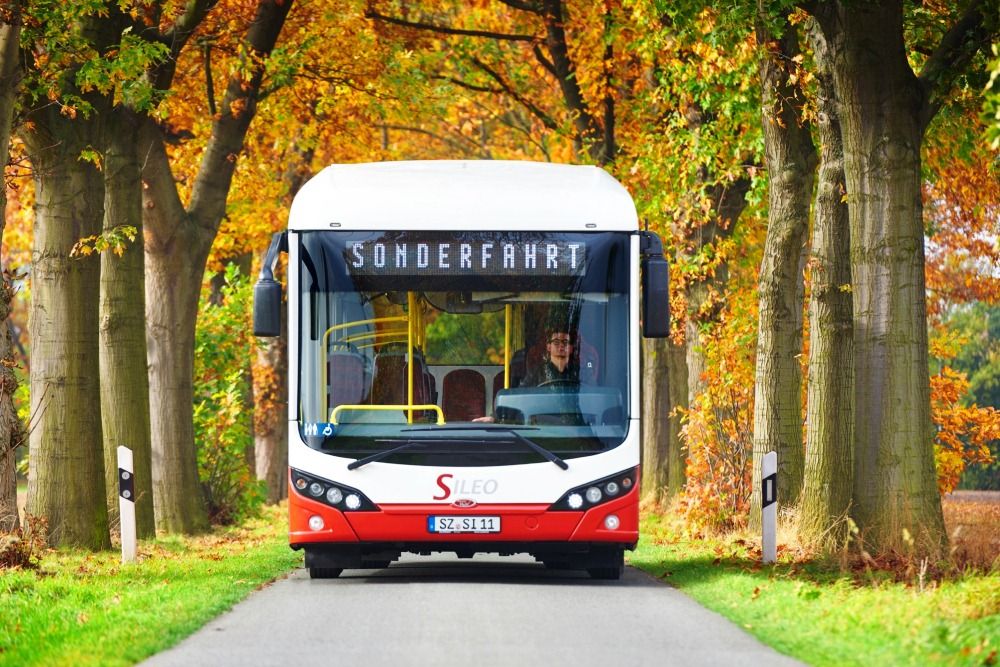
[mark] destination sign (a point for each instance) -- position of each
(442, 258)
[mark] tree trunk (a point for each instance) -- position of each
(829, 471)
(173, 283)
(677, 384)
(655, 419)
(704, 297)
(177, 246)
(791, 162)
(664, 376)
(11, 431)
(271, 415)
(66, 471)
(125, 389)
(895, 491)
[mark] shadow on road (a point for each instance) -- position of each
(479, 570)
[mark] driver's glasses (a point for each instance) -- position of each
(561, 342)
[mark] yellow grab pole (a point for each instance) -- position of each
(506, 345)
(411, 303)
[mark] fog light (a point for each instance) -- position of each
(593, 494)
(334, 495)
(301, 484)
(611, 522)
(352, 501)
(575, 501)
(316, 489)
(316, 522)
(611, 488)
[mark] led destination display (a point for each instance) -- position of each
(481, 257)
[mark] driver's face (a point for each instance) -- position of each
(560, 347)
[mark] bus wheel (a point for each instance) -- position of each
(325, 572)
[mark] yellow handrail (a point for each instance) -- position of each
(507, 310)
(340, 408)
(338, 327)
(411, 307)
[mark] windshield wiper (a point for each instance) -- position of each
(385, 453)
(409, 444)
(498, 428)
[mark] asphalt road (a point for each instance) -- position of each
(480, 612)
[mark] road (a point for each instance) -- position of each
(480, 612)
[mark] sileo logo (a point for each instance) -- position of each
(450, 485)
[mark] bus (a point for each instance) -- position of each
(463, 350)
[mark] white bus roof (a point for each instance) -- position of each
(462, 195)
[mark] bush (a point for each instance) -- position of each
(222, 418)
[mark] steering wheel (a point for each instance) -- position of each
(559, 382)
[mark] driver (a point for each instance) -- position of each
(557, 363)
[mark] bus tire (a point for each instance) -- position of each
(325, 572)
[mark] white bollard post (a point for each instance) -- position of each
(769, 506)
(126, 503)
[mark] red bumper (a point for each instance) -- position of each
(408, 523)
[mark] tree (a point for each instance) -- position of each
(179, 238)
(829, 464)
(791, 163)
(885, 110)
(11, 431)
(66, 474)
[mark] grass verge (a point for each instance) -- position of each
(825, 614)
(84, 608)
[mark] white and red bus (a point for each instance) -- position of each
(464, 362)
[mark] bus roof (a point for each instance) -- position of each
(461, 195)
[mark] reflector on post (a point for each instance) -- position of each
(769, 506)
(126, 503)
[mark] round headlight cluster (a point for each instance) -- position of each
(329, 493)
(597, 492)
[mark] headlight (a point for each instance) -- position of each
(330, 493)
(597, 492)
(334, 496)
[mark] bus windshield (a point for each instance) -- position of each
(463, 348)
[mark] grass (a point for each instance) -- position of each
(826, 613)
(83, 608)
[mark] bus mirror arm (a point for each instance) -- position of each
(267, 291)
(655, 287)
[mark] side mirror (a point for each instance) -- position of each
(267, 292)
(267, 308)
(655, 288)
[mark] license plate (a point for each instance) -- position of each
(463, 524)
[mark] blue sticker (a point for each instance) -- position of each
(318, 428)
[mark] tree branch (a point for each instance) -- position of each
(176, 38)
(957, 48)
(535, 110)
(447, 30)
(532, 7)
(239, 105)
(545, 62)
